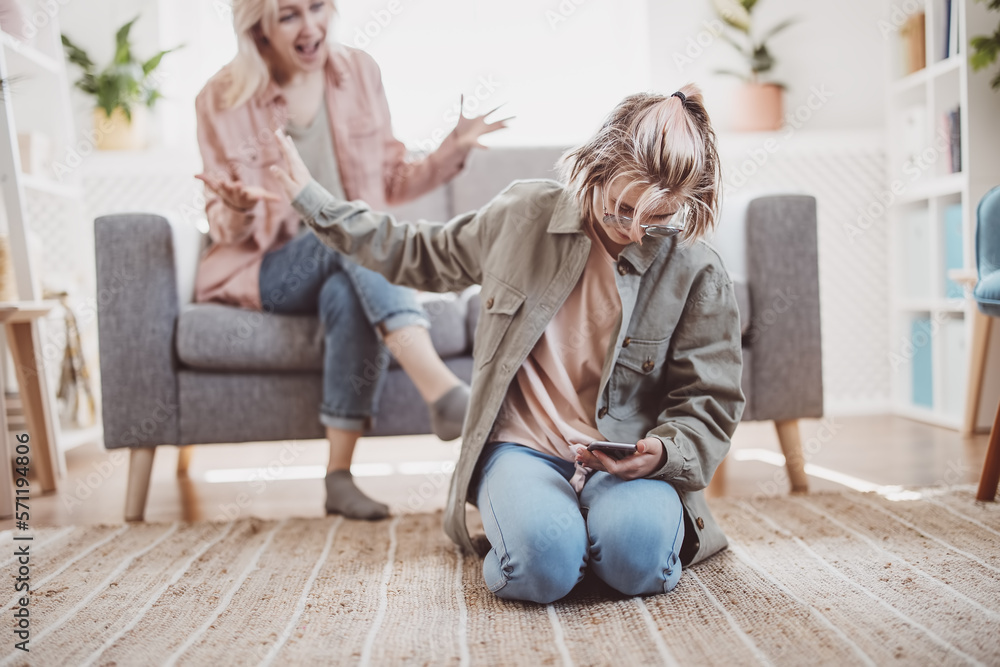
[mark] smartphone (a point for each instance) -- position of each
(616, 450)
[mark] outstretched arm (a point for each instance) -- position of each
(431, 256)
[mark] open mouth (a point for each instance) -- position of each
(309, 49)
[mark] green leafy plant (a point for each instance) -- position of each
(986, 48)
(125, 82)
(737, 15)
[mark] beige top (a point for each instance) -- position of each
(315, 145)
(552, 401)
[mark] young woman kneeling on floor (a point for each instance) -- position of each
(604, 316)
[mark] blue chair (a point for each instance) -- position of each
(987, 296)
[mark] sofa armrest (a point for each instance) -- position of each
(137, 315)
(784, 334)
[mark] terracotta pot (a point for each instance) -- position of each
(758, 108)
(117, 133)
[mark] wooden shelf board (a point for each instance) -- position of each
(932, 305)
(917, 79)
(937, 186)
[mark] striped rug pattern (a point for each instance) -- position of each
(829, 579)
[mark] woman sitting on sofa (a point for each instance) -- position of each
(329, 99)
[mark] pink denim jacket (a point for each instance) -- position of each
(372, 166)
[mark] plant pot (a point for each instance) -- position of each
(117, 133)
(758, 108)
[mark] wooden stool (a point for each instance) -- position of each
(20, 321)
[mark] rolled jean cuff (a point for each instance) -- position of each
(346, 423)
(398, 321)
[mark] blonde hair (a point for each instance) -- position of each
(248, 73)
(663, 146)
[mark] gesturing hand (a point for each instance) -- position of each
(294, 175)
(468, 130)
(648, 458)
(234, 192)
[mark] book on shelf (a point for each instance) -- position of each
(946, 20)
(922, 389)
(954, 126)
(954, 41)
(952, 249)
(943, 19)
(914, 53)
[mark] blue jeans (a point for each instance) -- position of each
(306, 277)
(543, 535)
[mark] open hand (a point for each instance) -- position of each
(234, 192)
(294, 175)
(468, 130)
(647, 459)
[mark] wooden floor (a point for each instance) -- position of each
(412, 473)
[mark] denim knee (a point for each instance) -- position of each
(339, 304)
(636, 529)
(537, 575)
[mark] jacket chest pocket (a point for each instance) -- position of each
(637, 377)
(499, 302)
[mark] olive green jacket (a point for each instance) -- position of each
(673, 371)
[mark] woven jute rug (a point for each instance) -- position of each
(834, 579)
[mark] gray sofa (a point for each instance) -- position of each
(178, 373)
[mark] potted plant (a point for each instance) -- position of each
(123, 90)
(985, 48)
(759, 101)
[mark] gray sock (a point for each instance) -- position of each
(343, 497)
(448, 412)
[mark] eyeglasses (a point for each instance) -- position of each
(624, 223)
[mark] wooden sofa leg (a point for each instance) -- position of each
(791, 446)
(991, 467)
(184, 459)
(140, 469)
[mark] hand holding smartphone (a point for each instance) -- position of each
(616, 450)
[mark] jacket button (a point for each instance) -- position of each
(700, 523)
(648, 365)
(489, 302)
(602, 412)
(626, 341)
(622, 268)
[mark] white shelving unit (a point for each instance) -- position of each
(930, 332)
(46, 204)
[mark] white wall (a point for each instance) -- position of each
(558, 64)
(836, 46)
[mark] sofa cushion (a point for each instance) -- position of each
(434, 206)
(488, 173)
(218, 337)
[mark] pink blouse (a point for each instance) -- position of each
(371, 160)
